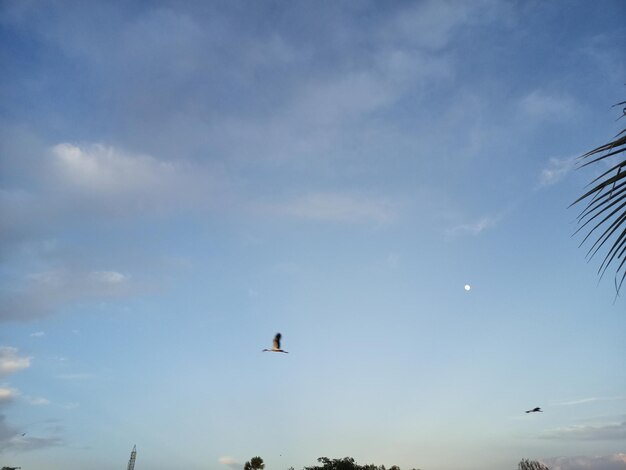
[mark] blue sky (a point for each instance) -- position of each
(181, 180)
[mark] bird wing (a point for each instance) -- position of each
(277, 341)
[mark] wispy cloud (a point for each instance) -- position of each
(77, 376)
(116, 181)
(337, 207)
(71, 180)
(599, 432)
(108, 277)
(581, 401)
(37, 334)
(39, 294)
(12, 440)
(471, 228)
(106, 169)
(543, 104)
(606, 462)
(11, 362)
(37, 401)
(230, 462)
(555, 171)
(7, 433)
(431, 25)
(7, 394)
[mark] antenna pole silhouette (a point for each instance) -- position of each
(133, 456)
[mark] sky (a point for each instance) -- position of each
(181, 180)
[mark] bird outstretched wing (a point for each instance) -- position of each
(276, 344)
(535, 410)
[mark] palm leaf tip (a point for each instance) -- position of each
(606, 193)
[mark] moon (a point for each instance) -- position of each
(467, 287)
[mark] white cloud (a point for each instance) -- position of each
(67, 182)
(556, 170)
(607, 462)
(7, 433)
(78, 376)
(22, 215)
(230, 462)
(597, 432)
(37, 401)
(541, 104)
(108, 277)
(10, 437)
(338, 207)
(37, 334)
(12, 440)
(120, 181)
(10, 361)
(581, 401)
(432, 24)
(38, 294)
(330, 111)
(105, 169)
(473, 228)
(7, 394)
(606, 56)
(341, 98)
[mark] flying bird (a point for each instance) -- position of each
(535, 410)
(276, 345)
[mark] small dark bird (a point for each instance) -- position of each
(276, 345)
(23, 434)
(535, 410)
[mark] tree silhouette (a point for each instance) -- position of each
(606, 207)
(526, 464)
(347, 463)
(255, 463)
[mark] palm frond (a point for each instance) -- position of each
(605, 201)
